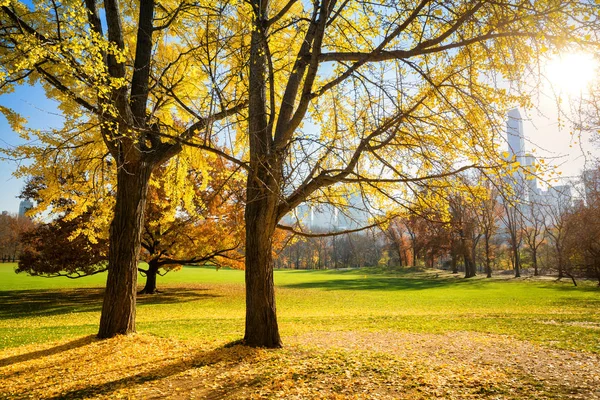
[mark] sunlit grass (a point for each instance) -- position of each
(204, 305)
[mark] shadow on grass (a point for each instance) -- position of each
(37, 303)
(230, 357)
(370, 282)
(48, 352)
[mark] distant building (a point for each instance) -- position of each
(515, 138)
(328, 217)
(591, 184)
(531, 180)
(560, 197)
(24, 206)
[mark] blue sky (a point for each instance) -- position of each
(31, 102)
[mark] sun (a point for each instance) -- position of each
(571, 73)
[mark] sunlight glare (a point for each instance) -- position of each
(571, 73)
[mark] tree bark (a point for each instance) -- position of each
(534, 261)
(261, 317)
(262, 197)
(118, 308)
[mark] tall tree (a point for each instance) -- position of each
(140, 89)
(405, 91)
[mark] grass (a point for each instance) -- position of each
(348, 334)
(201, 302)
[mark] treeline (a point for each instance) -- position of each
(493, 233)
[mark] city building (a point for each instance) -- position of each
(328, 217)
(24, 206)
(591, 184)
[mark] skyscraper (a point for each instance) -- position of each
(515, 136)
(516, 149)
(24, 205)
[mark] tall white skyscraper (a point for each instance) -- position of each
(515, 135)
(515, 138)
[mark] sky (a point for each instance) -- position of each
(31, 102)
(543, 136)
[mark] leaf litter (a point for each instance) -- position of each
(316, 365)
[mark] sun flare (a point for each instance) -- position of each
(571, 73)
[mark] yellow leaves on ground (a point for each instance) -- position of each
(318, 365)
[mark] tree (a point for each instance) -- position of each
(556, 211)
(11, 229)
(206, 230)
(403, 95)
(512, 218)
(55, 249)
(126, 91)
(463, 223)
(489, 215)
(534, 231)
(410, 76)
(582, 230)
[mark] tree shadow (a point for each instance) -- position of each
(38, 303)
(48, 352)
(230, 356)
(369, 282)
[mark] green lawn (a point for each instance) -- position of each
(201, 304)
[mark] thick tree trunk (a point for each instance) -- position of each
(261, 318)
(118, 308)
(469, 267)
(534, 261)
(262, 197)
(151, 274)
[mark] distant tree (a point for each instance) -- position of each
(463, 222)
(56, 249)
(512, 218)
(582, 242)
(489, 216)
(534, 231)
(557, 229)
(206, 230)
(11, 229)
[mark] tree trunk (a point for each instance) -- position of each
(151, 274)
(118, 308)
(517, 262)
(534, 261)
(262, 197)
(560, 264)
(454, 262)
(469, 265)
(488, 261)
(261, 318)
